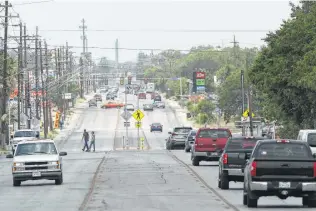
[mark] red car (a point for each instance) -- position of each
(209, 144)
(142, 96)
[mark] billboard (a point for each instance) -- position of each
(198, 81)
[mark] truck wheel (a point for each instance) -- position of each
(251, 200)
(16, 182)
(195, 161)
(59, 181)
(305, 200)
(244, 201)
(224, 182)
(311, 200)
(186, 149)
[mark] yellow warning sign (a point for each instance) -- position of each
(138, 115)
(246, 114)
(138, 124)
(57, 118)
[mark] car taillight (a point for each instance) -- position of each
(314, 169)
(225, 158)
(253, 170)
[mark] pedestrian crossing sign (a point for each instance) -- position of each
(138, 115)
(246, 113)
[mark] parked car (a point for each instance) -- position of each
(93, 103)
(156, 127)
(209, 144)
(97, 98)
(177, 137)
(142, 95)
(130, 107)
(148, 107)
(189, 141)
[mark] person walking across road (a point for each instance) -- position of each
(85, 138)
(92, 141)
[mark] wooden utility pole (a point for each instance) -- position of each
(81, 78)
(28, 106)
(48, 100)
(37, 108)
(4, 128)
(44, 102)
(20, 76)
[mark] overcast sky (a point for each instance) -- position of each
(220, 19)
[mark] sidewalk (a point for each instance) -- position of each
(69, 125)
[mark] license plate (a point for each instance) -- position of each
(212, 154)
(284, 185)
(36, 174)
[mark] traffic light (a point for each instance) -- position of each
(106, 81)
(122, 80)
(146, 80)
(129, 79)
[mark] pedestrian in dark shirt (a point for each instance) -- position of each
(85, 138)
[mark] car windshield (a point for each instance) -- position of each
(214, 133)
(241, 143)
(18, 134)
(311, 139)
(130, 106)
(182, 129)
(283, 151)
(35, 148)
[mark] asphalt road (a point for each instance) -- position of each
(117, 178)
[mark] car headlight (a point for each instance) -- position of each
(17, 164)
(54, 165)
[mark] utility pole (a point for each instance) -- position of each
(59, 78)
(5, 74)
(125, 109)
(235, 46)
(36, 76)
(28, 106)
(81, 77)
(250, 109)
(67, 75)
(44, 102)
(48, 112)
(243, 98)
(83, 37)
(20, 77)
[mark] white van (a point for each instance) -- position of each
(308, 136)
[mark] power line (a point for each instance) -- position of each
(161, 30)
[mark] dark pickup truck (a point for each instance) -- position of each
(281, 168)
(233, 160)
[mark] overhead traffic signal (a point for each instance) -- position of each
(129, 79)
(122, 81)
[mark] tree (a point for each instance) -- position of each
(284, 71)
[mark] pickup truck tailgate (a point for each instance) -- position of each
(233, 161)
(285, 168)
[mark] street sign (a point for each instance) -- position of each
(246, 114)
(67, 96)
(200, 75)
(126, 115)
(138, 124)
(127, 124)
(138, 115)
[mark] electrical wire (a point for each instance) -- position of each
(33, 2)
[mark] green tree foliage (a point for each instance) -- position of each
(202, 112)
(284, 71)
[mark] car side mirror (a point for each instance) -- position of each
(314, 155)
(9, 156)
(11, 136)
(62, 153)
(242, 156)
(37, 136)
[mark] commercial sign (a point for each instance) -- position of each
(199, 81)
(200, 75)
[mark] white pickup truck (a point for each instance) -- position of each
(37, 160)
(22, 135)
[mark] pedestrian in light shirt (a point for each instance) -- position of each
(92, 141)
